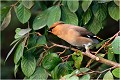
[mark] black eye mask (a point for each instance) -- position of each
(49, 30)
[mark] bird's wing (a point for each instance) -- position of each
(83, 31)
(79, 30)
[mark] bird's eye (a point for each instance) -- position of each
(50, 30)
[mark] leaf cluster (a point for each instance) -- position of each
(31, 55)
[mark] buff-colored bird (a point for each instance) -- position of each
(74, 35)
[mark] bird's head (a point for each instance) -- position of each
(54, 25)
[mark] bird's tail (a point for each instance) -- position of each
(96, 39)
(99, 38)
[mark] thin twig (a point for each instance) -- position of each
(87, 53)
(13, 5)
(65, 58)
(80, 74)
(26, 39)
(106, 43)
(59, 53)
(105, 71)
(38, 33)
(28, 24)
(45, 51)
(41, 58)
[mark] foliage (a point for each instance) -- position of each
(36, 59)
(108, 75)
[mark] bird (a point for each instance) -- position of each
(74, 35)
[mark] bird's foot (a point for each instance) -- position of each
(87, 46)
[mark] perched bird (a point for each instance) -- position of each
(74, 35)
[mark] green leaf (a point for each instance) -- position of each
(54, 15)
(85, 77)
(108, 76)
(40, 73)
(19, 52)
(114, 11)
(32, 43)
(104, 1)
(41, 40)
(24, 31)
(41, 5)
(116, 45)
(69, 17)
(3, 12)
(23, 14)
(77, 57)
(110, 53)
(11, 51)
(50, 61)
(21, 32)
(100, 44)
(83, 70)
(25, 78)
(116, 72)
(6, 21)
(75, 72)
(28, 64)
(32, 40)
(100, 55)
(80, 13)
(41, 20)
(28, 4)
(16, 69)
(95, 26)
(87, 16)
(17, 31)
(70, 77)
(73, 5)
(61, 70)
(86, 4)
(100, 11)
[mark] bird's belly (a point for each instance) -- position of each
(70, 39)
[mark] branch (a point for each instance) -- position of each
(13, 5)
(106, 43)
(101, 60)
(87, 53)
(105, 71)
(82, 73)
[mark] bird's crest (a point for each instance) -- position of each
(56, 23)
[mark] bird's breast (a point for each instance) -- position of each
(70, 35)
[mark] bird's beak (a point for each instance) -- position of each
(49, 30)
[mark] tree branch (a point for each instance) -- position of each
(106, 43)
(87, 53)
(105, 71)
(101, 60)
